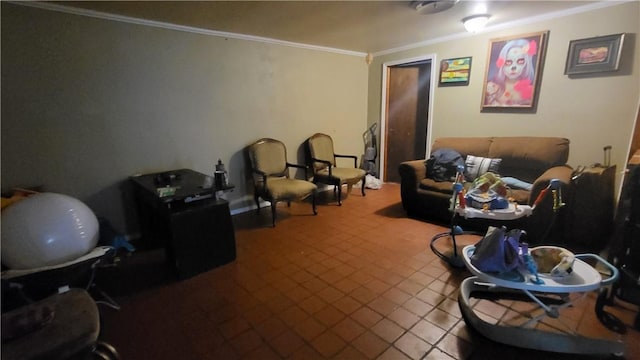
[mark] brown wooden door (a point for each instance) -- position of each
(407, 115)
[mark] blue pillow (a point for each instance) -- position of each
(517, 183)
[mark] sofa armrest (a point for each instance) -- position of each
(414, 201)
(412, 172)
(562, 173)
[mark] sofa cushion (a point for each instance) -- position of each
(478, 146)
(518, 195)
(444, 187)
(475, 166)
(526, 158)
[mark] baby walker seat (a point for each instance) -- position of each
(530, 310)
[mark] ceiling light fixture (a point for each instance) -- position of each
(475, 23)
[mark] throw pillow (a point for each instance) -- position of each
(477, 165)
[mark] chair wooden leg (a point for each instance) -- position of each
(273, 214)
(339, 195)
(363, 185)
(313, 204)
(257, 200)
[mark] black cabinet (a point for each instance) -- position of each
(179, 211)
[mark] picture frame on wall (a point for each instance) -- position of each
(594, 55)
(455, 71)
(513, 73)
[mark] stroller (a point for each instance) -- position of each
(370, 150)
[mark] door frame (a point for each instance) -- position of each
(383, 110)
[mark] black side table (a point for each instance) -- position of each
(179, 211)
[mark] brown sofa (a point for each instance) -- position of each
(534, 160)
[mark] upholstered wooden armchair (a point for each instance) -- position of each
(323, 164)
(272, 181)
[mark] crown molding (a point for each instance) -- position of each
(189, 29)
(195, 30)
(507, 25)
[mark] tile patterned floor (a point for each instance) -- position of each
(357, 281)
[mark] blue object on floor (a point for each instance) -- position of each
(110, 237)
(120, 242)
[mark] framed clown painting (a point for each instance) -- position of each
(513, 74)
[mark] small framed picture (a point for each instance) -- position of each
(455, 72)
(593, 55)
(514, 69)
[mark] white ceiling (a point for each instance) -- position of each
(356, 26)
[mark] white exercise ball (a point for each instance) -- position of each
(47, 229)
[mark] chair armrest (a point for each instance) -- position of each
(328, 163)
(297, 166)
(306, 176)
(261, 173)
(562, 173)
(355, 158)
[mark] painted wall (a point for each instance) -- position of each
(87, 102)
(592, 112)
